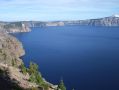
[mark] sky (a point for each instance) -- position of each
(54, 10)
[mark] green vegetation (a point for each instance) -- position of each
(33, 68)
(14, 62)
(7, 26)
(5, 57)
(35, 75)
(23, 69)
(18, 24)
(13, 25)
(61, 86)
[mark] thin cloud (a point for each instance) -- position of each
(68, 9)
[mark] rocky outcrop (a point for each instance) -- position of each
(55, 24)
(10, 49)
(16, 77)
(13, 27)
(10, 65)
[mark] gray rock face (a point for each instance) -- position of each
(107, 21)
(13, 27)
(10, 50)
(24, 26)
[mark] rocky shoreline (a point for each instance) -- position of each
(105, 21)
(10, 52)
(24, 26)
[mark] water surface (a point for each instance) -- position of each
(87, 58)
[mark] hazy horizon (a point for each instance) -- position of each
(60, 10)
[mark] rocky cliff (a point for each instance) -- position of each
(24, 26)
(13, 27)
(11, 70)
(10, 49)
(106, 21)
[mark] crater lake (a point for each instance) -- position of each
(85, 57)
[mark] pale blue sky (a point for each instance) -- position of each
(51, 10)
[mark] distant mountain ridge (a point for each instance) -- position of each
(106, 21)
(11, 49)
(24, 26)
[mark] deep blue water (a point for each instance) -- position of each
(87, 58)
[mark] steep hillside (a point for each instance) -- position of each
(12, 70)
(10, 49)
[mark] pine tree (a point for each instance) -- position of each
(33, 68)
(35, 74)
(23, 69)
(32, 78)
(61, 86)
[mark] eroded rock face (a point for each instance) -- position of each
(24, 26)
(107, 21)
(10, 50)
(13, 27)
